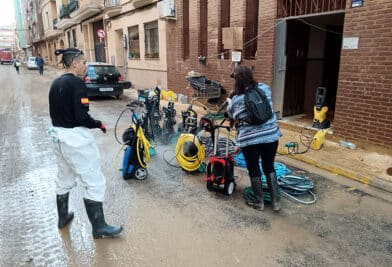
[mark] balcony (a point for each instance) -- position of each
(141, 3)
(87, 9)
(65, 23)
(112, 8)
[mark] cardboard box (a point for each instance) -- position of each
(232, 38)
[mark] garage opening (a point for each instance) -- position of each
(313, 46)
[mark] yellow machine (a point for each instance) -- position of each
(320, 120)
(318, 139)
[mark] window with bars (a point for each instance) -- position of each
(224, 22)
(134, 47)
(203, 33)
(151, 40)
(185, 29)
(251, 29)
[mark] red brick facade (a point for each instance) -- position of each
(217, 69)
(364, 96)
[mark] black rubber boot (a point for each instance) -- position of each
(273, 187)
(62, 210)
(100, 228)
(258, 202)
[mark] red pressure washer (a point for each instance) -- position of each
(220, 169)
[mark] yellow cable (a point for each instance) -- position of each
(189, 163)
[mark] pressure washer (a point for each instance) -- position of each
(320, 120)
(151, 114)
(168, 122)
(220, 169)
(137, 147)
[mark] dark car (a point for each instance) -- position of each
(103, 79)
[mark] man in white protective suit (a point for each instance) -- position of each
(74, 146)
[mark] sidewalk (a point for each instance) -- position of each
(366, 166)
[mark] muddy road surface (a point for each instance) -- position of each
(169, 219)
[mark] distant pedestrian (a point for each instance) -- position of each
(16, 64)
(40, 64)
(74, 145)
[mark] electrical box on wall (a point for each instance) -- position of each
(166, 9)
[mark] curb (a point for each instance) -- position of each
(374, 181)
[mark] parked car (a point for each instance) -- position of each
(31, 64)
(104, 79)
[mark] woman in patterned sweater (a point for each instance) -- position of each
(255, 141)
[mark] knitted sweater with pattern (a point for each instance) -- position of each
(247, 135)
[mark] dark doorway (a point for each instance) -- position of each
(313, 46)
(99, 43)
(296, 52)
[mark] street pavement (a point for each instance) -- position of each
(169, 219)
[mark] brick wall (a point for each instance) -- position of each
(217, 69)
(364, 97)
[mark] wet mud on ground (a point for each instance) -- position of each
(169, 219)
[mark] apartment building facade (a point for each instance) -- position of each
(295, 46)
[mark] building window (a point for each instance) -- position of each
(203, 35)
(69, 38)
(134, 48)
(251, 29)
(151, 40)
(224, 23)
(185, 29)
(74, 38)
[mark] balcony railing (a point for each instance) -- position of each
(66, 10)
(288, 8)
(73, 5)
(112, 3)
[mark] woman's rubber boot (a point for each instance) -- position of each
(273, 187)
(258, 202)
(100, 228)
(62, 210)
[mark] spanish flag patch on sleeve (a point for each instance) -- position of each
(84, 101)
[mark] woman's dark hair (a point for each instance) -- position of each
(69, 54)
(243, 77)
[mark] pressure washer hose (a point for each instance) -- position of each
(142, 141)
(189, 162)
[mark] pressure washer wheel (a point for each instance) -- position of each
(139, 173)
(230, 187)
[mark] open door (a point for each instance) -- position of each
(279, 68)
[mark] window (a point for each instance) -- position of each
(134, 48)
(69, 38)
(74, 38)
(185, 29)
(251, 29)
(224, 23)
(151, 40)
(203, 34)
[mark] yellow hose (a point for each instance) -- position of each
(141, 142)
(189, 163)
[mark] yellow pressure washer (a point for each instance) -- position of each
(320, 120)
